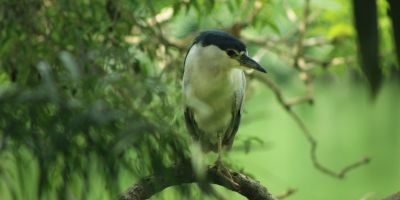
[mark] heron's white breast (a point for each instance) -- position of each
(210, 83)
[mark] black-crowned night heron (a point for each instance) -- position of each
(213, 89)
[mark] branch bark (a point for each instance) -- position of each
(395, 196)
(184, 174)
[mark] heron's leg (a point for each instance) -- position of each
(220, 168)
(219, 158)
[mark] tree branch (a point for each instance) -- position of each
(184, 174)
(306, 132)
(395, 196)
(286, 194)
(300, 64)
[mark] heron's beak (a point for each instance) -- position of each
(246, 61)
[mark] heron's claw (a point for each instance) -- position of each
(224, 172)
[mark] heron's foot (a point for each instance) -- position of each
(224, 172)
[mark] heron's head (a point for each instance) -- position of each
(220, 49)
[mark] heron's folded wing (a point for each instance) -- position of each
(237, 108)
(191, 123)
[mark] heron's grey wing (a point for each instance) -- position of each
(191, 123)
(196, 132)
(237, 109)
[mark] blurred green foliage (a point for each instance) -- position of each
(90, 90)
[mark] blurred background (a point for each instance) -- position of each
(90, 96)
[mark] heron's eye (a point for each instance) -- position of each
(231, 53)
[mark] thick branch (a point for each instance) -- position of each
(183, 174)
(395, 196)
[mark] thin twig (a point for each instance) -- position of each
(286, 194)
(299, 100)
(302, 31)
(306, 132)
(300, 63)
